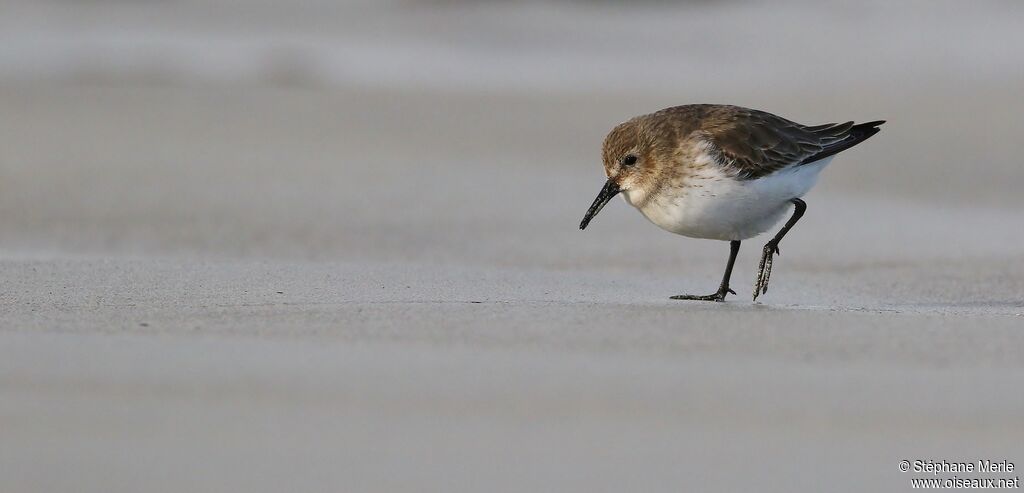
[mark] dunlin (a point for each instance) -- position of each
(720, 172)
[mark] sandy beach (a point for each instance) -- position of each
(311, 280)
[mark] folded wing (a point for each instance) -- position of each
(754, 143)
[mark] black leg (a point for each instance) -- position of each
(764, 270)
(723, 289)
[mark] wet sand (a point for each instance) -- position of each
(289, 288)
(331, 286)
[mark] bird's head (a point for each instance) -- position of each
(628, 163)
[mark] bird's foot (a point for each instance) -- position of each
(764, 269)
(717, 296)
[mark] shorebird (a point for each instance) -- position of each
(720, 172)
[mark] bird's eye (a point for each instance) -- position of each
(629, 160)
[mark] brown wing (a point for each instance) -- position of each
(755, 143)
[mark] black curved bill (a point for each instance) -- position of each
(610, 190)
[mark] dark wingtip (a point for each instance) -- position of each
(864, 130)
(854, 135)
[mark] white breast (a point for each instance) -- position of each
(720, 207)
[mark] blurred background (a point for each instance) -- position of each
(289, 127)
(334, 243)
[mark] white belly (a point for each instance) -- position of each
(723, 208)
